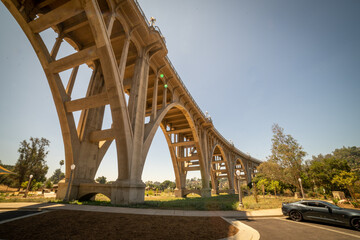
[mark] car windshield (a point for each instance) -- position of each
(332, 205)
(318, 204)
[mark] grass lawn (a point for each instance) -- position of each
(168, 201)
(214, 203)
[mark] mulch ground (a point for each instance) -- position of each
(65, 224)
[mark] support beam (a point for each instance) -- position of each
(194, 157)
(221, 171)
(71, 81)
(214, 162)
(192, 168)
(56, 48)
(73, 60)
(188, 143)
(88, 102)
(179, 131)
(102, 135)
(218, 177)
(197, 163)
(56, 16)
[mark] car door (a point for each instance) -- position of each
(323, 213)
(317, 212)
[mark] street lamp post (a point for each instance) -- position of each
(238, 173)
(302, 191)
(69, 185)
(27, 188)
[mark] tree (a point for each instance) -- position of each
(101, 180)
(166, 184)
(262, 184)
(270, 170)
(351, 155)
(57, 176)
(32, 160)
(346, 179)
(323, 169)
(62, 162)
(289, 154)
(274, 186)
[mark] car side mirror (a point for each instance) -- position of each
(329, 209)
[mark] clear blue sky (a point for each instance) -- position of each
(249, 63)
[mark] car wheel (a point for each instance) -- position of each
(355, 223)
(296, 216)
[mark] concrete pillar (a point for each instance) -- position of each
(154, 100)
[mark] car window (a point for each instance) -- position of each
(312, 204)
(304, 203)
(321, 205)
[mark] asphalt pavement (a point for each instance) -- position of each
(7, 215)
(284, 228)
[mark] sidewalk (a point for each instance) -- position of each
(55, 206)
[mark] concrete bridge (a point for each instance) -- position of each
(133, 75)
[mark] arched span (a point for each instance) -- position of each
(239, 164)
(182, 139)
(89, 196)
(220, 167)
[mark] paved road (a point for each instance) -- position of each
(6, 215)
(284, 228)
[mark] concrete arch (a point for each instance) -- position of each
(150, 131)
(72, 144)
(88, 190)
(217, 166)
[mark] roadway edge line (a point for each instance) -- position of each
(324, 228)
(18, 218)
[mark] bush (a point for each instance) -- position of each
(48, 184)
(335, 201)
(24, 184)
(37, 186)
(150, 193)
(355, 204)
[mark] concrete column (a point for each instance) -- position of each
(154, 100)
(131, 189)
(124, 55)
(164, 96)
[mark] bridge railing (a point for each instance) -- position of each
(170, 63)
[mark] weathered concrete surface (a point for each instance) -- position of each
(127, 57)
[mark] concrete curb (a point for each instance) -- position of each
(245, 232)
(142, 211)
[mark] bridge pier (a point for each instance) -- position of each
(126, 192)
(215, 191)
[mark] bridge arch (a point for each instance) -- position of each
(182, 138)
(220, 167)
(239, 165)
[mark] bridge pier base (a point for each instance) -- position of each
(180, 193)
(206, 192)
(126, 192)
(215, 191)
(62, 188)
(231, 191)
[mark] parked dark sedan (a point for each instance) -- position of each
(322, 211)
